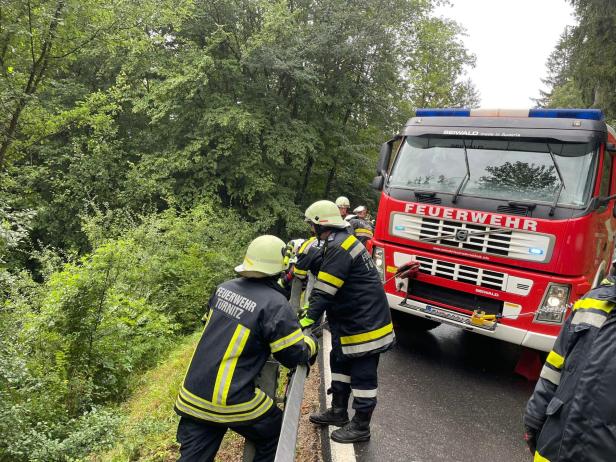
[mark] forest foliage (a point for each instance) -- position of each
(581, 71)
(143, 143)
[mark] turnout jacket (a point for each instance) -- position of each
(349, 289)
(248, 319)
(362, 229)
(573, 407)
(309, 258)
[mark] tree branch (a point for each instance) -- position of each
(31, 32)
(37, 73)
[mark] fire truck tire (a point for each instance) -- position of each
(412, 322)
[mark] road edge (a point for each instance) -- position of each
(337, 452)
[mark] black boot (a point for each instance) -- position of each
(356, 430)
(336, 415)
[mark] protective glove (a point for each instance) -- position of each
(530, 436)
(288, 254)
(312, 343)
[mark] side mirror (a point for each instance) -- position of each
(603, 201)
(384, 158)
(378, 182)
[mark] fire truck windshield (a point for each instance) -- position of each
(515, 170)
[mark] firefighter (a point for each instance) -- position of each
(571, 415)
(248, 318)
(309, 259)
(349, 290)
(343, 205)
(362, 228)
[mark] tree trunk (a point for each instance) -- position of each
(37, 73)
(307, 171)
(330, 180)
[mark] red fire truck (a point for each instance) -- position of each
(509, 213)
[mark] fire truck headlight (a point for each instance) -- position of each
(378, 255)
(554, 304)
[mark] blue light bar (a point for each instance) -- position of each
(588, 114)
(447, 112)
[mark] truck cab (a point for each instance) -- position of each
(509, 213)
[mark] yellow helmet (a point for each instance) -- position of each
(342, 201)
(264, 257)
(325, 213)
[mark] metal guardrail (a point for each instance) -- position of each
(268, 381)
(290, 420)
(285, 452)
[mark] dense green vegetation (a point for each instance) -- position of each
(72, 344)
(582, 67)
(143, 143)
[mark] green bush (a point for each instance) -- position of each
(78, 341)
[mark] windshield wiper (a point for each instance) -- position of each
(560, 177)
(466, 177)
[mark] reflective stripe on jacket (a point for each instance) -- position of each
(309, 258)
(348, 287)
(573, 406)
(362, 229)
(248, 320)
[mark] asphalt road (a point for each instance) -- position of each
(448, 395)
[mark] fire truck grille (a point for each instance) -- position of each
(496, 243)
(447, 296)
(463, 273)
(473, 237)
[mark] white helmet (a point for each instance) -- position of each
(264, 257)
(343, 202)
(325, 213)
(360, 209)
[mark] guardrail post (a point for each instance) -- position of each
(268, 382)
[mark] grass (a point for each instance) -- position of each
(147, 433)
(148, 430)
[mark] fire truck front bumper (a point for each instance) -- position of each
(510, 334)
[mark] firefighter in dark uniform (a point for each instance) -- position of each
(309, 258)
(571, 415)
(349, 290)
(362, 228)
(248, 319)
(343, 205)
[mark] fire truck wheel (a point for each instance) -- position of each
(412, 322)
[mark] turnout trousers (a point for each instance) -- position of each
(357, 375)
(200, 440)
